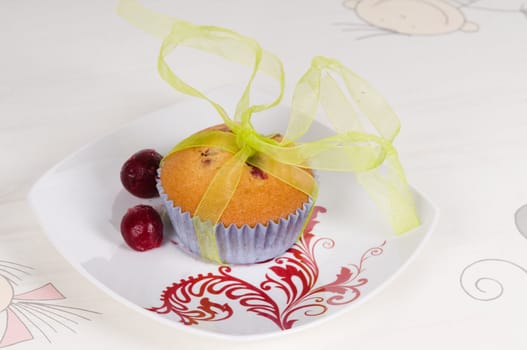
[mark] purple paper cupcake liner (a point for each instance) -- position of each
(239, 245)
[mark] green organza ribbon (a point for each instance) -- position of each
(350, 149)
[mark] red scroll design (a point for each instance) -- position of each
(295, 275)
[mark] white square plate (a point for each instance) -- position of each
(347, 254)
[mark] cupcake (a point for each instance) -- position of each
(262, 220)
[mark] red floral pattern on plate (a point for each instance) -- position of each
(295, 275)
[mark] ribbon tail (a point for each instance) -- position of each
(392, 195)
(213, 203)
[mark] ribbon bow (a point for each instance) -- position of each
(350, 149)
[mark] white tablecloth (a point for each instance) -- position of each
(73, 71)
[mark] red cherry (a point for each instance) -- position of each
(142, 228)
(139, 172)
